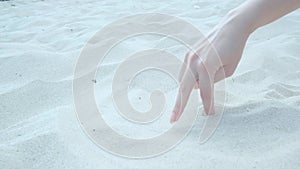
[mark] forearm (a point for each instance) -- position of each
(253, 14)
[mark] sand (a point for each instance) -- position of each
(40, 42)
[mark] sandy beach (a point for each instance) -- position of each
(40, 42)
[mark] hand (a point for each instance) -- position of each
(211, 61)
(218, 59)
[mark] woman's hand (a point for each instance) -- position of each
(214, 61)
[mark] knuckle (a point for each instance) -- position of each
(191, 56)
(208, 67)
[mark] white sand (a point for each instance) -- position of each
(41, 40)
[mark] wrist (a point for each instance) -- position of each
(238, 20)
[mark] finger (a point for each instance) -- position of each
(183, 68)
(206, 84)
(184, 92)
(220, 75)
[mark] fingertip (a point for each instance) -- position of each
(211, 111)
(173, 117)
(209, 108)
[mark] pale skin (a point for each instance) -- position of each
(228, 38)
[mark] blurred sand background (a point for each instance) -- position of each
(40, 42)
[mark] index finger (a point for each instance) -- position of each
(186, 86)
